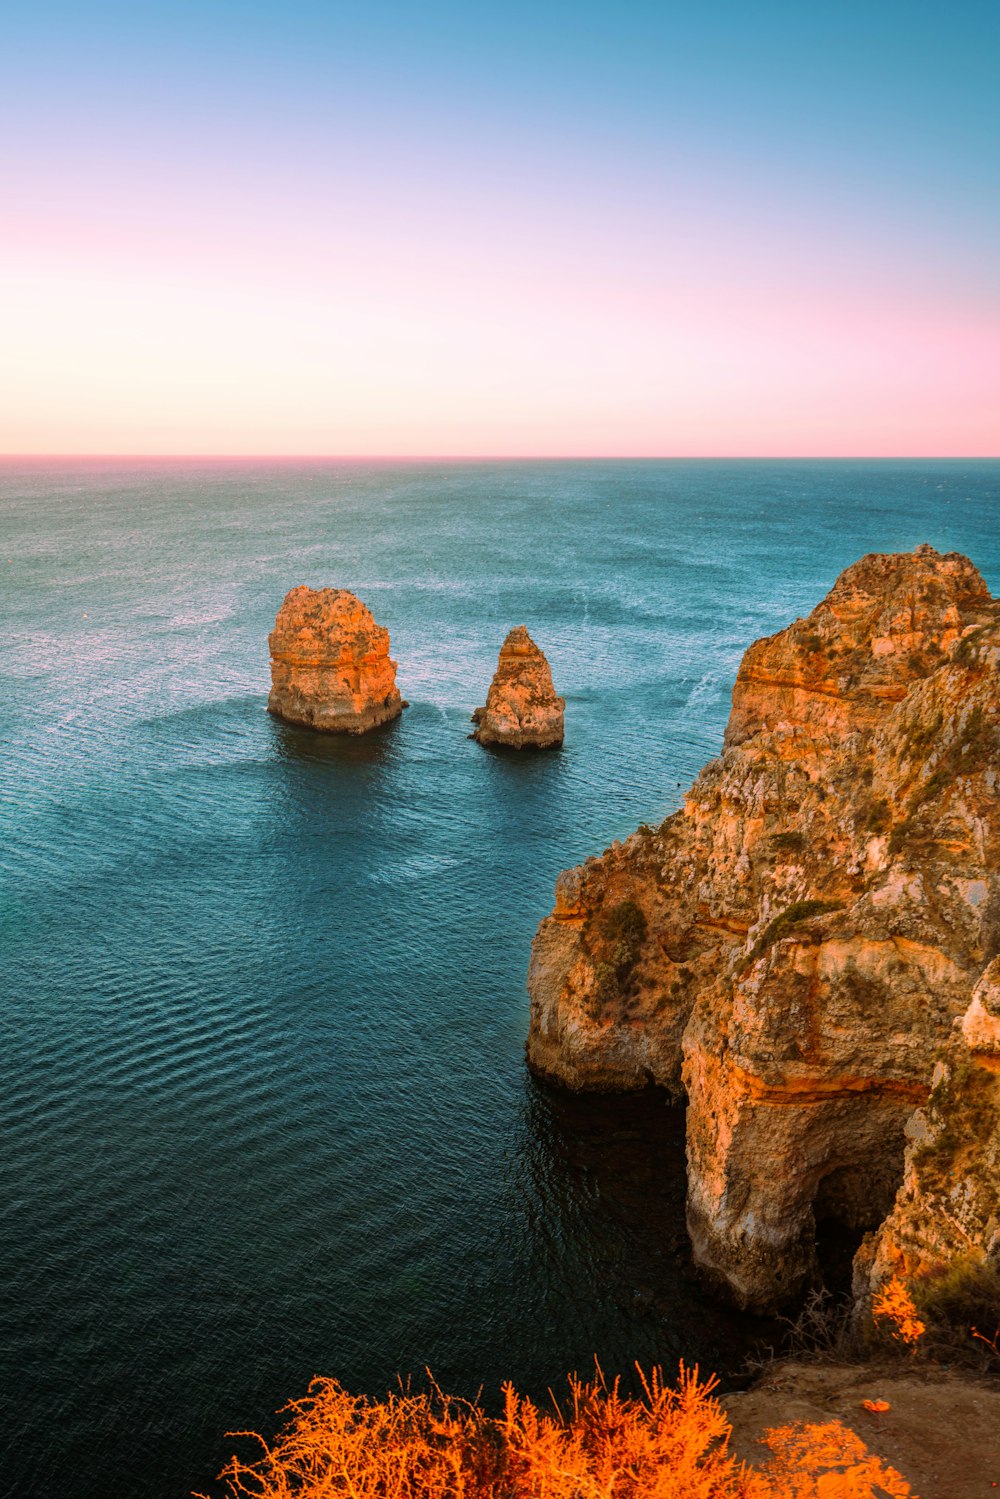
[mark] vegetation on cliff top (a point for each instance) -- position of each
(951, 1318)
(671, 1443)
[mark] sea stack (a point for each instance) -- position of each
(790, 949)
(330, 665)
(522, 710)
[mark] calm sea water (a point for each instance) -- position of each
(264, 1106)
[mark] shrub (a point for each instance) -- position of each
(893, 1306)
(877, 819)
(670, 1443)
(823, 1328)
(605, 983)
(800, 910)
(788, 843)
(923, 734)
(624, 928)
(962, 1311)
(626, 924)
(901, 834)
(953, 1316)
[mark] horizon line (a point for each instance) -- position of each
(516, 457)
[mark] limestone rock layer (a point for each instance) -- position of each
(791, 948)
(522, 710)
(330, 665)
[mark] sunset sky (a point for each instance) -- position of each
(524, 228)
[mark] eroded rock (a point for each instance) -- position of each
(811, 922)
(522, 710)
(330, 665)
(947, 1210)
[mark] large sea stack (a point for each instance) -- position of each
(522, 710)
(791, 949)
(330, 666)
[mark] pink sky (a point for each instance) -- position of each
(494, 263)
(114, 349)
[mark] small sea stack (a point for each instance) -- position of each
(330, 665)
(522, 710)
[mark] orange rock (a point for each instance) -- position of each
(522, 710)
(792, 947)
(330, 666)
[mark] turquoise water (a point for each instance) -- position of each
(264, 1106)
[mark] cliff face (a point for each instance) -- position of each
(330, 666)
(948, 1207)
(790, 948)
(522, 710)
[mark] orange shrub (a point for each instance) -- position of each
(671, 1443)
(894, 1304)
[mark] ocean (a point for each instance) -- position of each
(264, 1106)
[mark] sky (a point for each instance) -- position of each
(518, 229)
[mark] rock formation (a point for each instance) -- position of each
(330, 666)
(791, 948)
(522, 710)
(947, 1211)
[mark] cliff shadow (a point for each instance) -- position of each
(609, 1174)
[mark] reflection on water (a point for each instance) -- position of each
(297, 743)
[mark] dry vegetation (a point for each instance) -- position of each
(894, 1307)
(670, 1443)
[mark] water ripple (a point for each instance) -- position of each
(263, 1102)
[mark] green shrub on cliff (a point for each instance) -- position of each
(624, 929)
(961, 1308)
(781, 925)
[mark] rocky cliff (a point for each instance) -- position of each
(791, 948)
(522, 710)
(330, 666)
(947, 1211)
